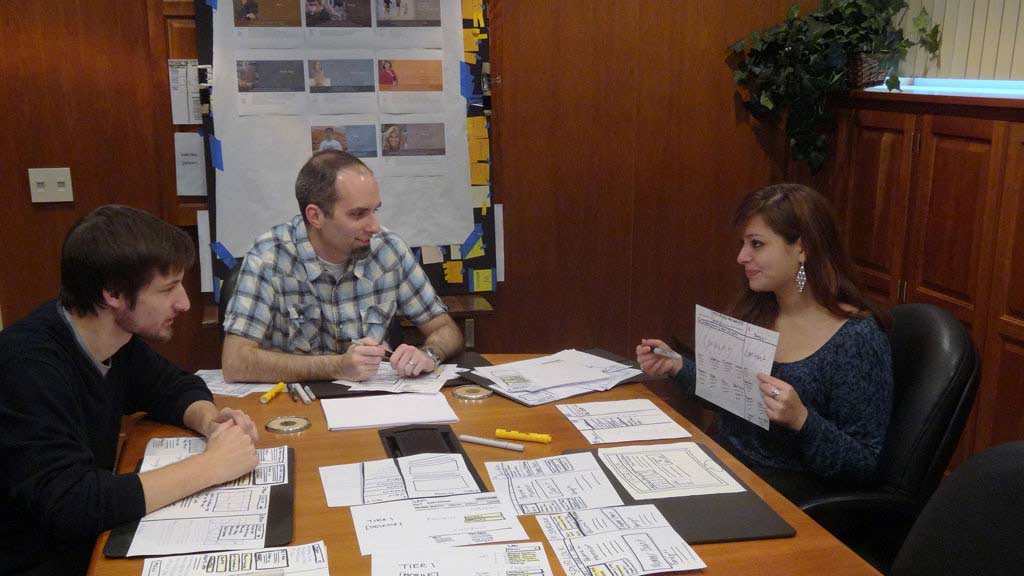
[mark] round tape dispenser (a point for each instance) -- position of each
(471, 392)
(287, 424)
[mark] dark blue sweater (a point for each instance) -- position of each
(847, 388)
(61, 420)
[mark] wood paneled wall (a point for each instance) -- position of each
(620, 153)
(80, 89)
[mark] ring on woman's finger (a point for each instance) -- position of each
(776, 392)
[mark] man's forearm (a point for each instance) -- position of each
(243, 363)
(447, 339)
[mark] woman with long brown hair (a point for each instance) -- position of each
(829, 394)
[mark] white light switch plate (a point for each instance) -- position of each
(50, 184)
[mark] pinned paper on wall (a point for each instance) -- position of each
(482, 280)
(477, 250)
(432, 254)
(470, 37)
(481, 196)
(479, 173)
(455, 252)
(471, 6)
(469, 57)
(453, 272)
(471, 240)
(479, 150)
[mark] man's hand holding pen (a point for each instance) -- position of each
(362, 359)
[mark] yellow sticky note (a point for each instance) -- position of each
(482, 281)
(478, 17)
(456, 251)
(476, 127)
(469, 57)
(477, 251)
(453, 272)
(469, 37)
(469, 7)
(479, 150)
(479, 173)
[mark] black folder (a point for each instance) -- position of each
(423, 439)
(712, 517)
(328, 389)
(280, 518)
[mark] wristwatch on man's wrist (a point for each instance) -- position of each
(433, 354)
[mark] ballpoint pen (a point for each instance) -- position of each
(666, 353)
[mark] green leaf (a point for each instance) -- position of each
(794, 11)
(766, 101)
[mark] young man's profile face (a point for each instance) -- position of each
(347, 232)
(156, 306)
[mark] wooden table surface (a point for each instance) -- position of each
(812, 551)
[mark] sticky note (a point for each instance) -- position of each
(479, 173)
(476, 126)
(465, 81)
(432, 254)
(481, 196)
(456, 251)
(483, 280)
(453, 272)
(477, 250)
(479, 150)
(469, 57)
(471, 6)
(469, 40)
(216, 156)
(478, 17)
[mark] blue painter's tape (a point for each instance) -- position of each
(467, 273)
(216, 290)
(471, 240)
(466, 81)
(222, 254)
(212, 4)
(216, 157)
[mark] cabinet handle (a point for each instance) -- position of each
(915, 142)
(901, 291)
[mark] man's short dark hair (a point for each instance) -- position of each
(315, 183)
(118, 249)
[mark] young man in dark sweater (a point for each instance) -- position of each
(73, 367)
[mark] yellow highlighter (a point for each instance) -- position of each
(269, 394)
(525, 436)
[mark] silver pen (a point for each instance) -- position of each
(666, 353)
(309, 391)
(489, 442)
(302, 394)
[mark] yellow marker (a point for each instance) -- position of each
(526, 436)
(269, 394)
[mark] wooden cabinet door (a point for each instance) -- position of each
(1000, 399)
(873, 202)
(958, 175)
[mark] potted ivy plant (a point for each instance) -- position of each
(793, 68)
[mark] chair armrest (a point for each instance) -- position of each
(847, 512)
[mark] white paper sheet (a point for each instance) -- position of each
(622, 421)
(539, 374)
(205, 255)
(215, 382)
(427, 522)
(342, 82)
(390, 410)
(666, 470)
(553, 484)
(184, 85)
(189, 164)
(524, 559)
(388, 380)
(177, 536)
(304, 560)
(730, 353)
(648, 551)
(418, 476)
(271, 470)
(626, 539)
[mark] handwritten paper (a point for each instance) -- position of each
(667, 470)
(730, 354)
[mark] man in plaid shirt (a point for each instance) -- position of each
(315, 295)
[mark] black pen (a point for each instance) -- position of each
(359, 342)
(291, 392)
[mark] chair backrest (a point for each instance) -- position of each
(393, 336)
(971, 525)
(935, 374)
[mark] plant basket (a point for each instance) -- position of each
(865, 71)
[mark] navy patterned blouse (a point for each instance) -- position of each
(847, 388)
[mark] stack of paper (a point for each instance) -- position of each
(388, 380)
(389, 410)
(526, 558)
(215, 382)
(549, 378)
(553, 484)
(417, 476)
(304, 560)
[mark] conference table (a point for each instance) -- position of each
(812, 551)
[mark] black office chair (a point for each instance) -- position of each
(972, 524)
(393, 336)
(935, 373)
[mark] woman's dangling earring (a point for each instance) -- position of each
(801, 278)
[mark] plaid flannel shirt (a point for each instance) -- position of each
(287, 301)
